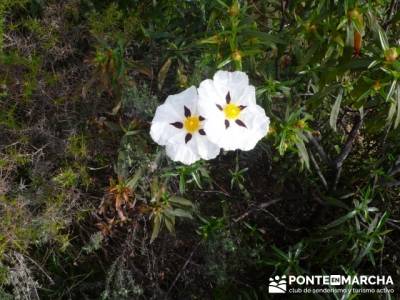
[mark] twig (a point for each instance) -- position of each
(393, 224)
(261, 206)
(348, 146)
(338, 162)
(277, 220)
(318, 147)
(390, 13)
(281, 26)
(391, 183)
(321, 176)
(40, 268)
(182, 269)
(396, 168)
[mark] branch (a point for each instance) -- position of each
(318, 147)
(391, 184)
(390, 14)
(182, 269)
(348, 146)
(321, 176)
(338, 162)
(396, 168)
(261, 206)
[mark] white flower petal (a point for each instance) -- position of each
(188, 98)
(172, 111)
(248, 97)
(197, 147)
(252, 116)
(161, 132)
(235, 83)
(182, 153)
(164, 133)
(206, 149)
(209, 94)
(178, 150)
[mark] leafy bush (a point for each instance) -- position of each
(92, 208)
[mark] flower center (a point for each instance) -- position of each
(231, 111)
(192, 124)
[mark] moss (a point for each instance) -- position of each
(48, 37)
(107, 23)
(67, 178)
(77, 146)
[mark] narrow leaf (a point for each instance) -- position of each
(162, 74)
(342, 219)
(303, 153)
(383, 38)
(181, 201)
(180, 213)
(397, 121)
(335, 110)
(156, 228)
(391, 91)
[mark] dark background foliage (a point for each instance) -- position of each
(91, 208)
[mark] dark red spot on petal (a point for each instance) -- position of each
(219, 106)
(241, 107)
(188, 137)
(202, 132)
(240, 123)
(187, 112)
(177, 125)
(226, 124)
(228, 98)
(201, 118)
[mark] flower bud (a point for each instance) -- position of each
(237, 55)
(391, 54)
(377, 85)
(355, 15)
(234, 9)
(271, 130)
(300, 124)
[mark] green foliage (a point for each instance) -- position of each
(196, 173)
(86, 195)
(165, 208)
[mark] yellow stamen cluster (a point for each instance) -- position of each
(192, 124)
(231, 111)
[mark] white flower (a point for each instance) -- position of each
(233, 119)
(178, 126)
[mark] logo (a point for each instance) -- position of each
(358, 284)
(277, 285)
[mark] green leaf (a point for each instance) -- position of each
(392, 111)
(182, 201)
(223, 3)
(224, 62)
(156, 228)
(178, 212)
(162, 74)
(301, 147)
(170, 223)
(132, 183)
(397, 121)
(335, 110)
(182, 184)
(391, 91)
(265, 38)
(197, 180)
(342, 219)
(377, 29)
(279, 252)
(383, 39)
